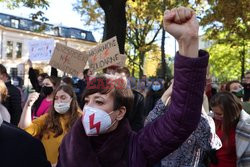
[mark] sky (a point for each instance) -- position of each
(62, 13)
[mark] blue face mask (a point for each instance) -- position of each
(156, 87)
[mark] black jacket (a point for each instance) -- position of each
(151, 99)
(136, 117)
(33, 78)
(19, 149)
(13, 103)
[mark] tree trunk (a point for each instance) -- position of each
(115, 21)
(163, 60)
(242, 55)
(141, 63)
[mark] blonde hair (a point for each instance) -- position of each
(3, 91)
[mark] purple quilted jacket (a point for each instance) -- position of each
(157, 139)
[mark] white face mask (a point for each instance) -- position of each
(96, 121)
(62, 108)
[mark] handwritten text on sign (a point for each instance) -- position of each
(40, 49)
(104, 55)
(68, 60)
(122, 61)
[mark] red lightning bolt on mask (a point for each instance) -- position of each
(92, 125)
(95, 121)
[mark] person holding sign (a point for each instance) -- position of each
(52, 126)
(103, 137)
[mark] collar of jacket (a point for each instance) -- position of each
(243, 134)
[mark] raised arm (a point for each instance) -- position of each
(33, 77)
(26, 117)
(167, 133)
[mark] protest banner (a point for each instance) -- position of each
(122, 60)
(68, 60)
(104, 55)
(40, 50)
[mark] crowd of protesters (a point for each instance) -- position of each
(185, 121)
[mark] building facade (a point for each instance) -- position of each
(16, 31)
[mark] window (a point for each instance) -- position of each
(24, 25)
(56, 31)
(9, 50)
(13, 72)
(19, 50)
(14, 23)
(83, 35)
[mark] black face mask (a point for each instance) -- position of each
(46, 90)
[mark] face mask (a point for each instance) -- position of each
(96, 121)
(46, 90)
(156, 87)
(239, 92)
(62, 108)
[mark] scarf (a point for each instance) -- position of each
(107, 150)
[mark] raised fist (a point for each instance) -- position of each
(29, 63)
(181, 23)
(32, 98)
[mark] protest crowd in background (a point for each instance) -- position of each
(98, 115)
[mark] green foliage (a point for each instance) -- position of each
(90, 11)
(44, 4)
(227, 24)
(33, 4)
(228, 15)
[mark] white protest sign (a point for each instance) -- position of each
(104, 55)
(68, 60)
(40, 50)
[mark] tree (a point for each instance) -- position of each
(113, 13)
(227, 22)
(33, 4)
(144, 24)
(225, 62)
(143, 20)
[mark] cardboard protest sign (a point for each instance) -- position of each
(104, 55)
(40, 50)
(68, 60)
(122, 60)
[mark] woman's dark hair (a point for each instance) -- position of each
(231, 107)
(230, 83)
(43, 75)
(105, 84)
(55, 81)
(52, 121)
(68, 81)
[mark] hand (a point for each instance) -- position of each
(32, 98)
(167, 93)
(29, 63)
(182, 24)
